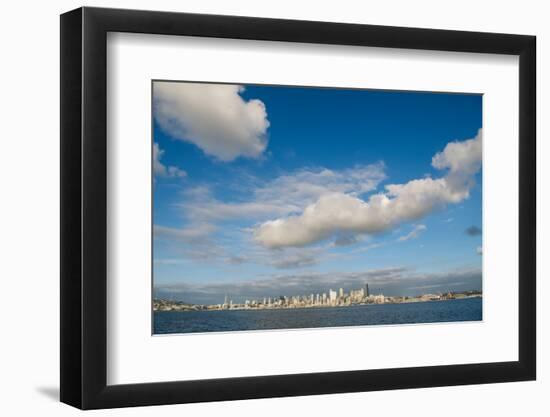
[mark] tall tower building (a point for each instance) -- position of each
(367, 293)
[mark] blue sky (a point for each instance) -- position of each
(270, 190)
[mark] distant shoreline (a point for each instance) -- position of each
(182, 307)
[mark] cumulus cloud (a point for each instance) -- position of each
(473, 231)
(214, 117)
(161, 170)
(282, 195)
(463, 159)
(220, 229)
(340, 212)
(413, 234)
(305, 186)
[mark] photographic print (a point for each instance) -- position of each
(284, 207)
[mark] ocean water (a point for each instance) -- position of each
(167, 322)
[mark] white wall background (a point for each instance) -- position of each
(29, 226)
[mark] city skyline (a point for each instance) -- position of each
(389, 282)
(332, 298)
(268, 190)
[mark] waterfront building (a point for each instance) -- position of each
(332, 296)
(357, 295)
(379, 299)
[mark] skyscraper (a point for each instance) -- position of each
(367, 290)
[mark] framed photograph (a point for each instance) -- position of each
(257, 208)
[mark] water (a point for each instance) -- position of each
(468, 309)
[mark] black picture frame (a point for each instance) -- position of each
(84, 207)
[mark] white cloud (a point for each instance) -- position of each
(413, 234)
(214, 117)
(305, 186)
(462, 158)
(216, 229)
(161, 170)
(283, 195)
(340, 212)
